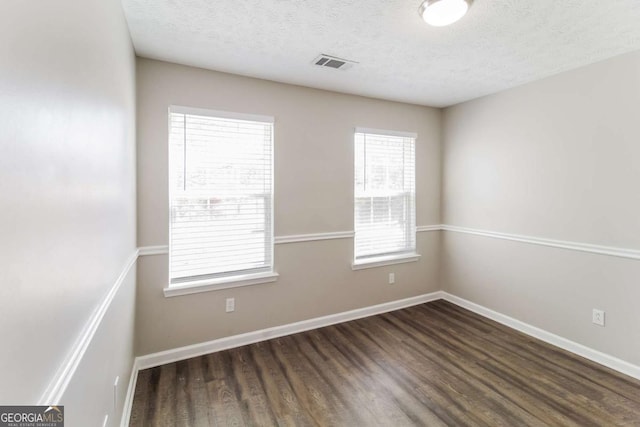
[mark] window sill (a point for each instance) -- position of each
(384, 260)
(209, 285)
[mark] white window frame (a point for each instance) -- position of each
(384, 259)
(223, 281)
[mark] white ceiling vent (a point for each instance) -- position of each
(333, 62)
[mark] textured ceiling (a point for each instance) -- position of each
(498, 45)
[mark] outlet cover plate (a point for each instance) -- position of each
(598, 317)
(230, 305)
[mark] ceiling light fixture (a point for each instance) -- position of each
(443, 12)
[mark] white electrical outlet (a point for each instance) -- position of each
(115, 393)
(392, 278)
(598, 317)
(231, 305)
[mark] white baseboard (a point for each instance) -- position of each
(182, 353)
(128, 400)
(556, 340)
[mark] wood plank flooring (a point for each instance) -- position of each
(430, 365)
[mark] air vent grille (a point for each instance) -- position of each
(333, 62)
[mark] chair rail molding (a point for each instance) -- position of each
(541, 241)
(58, 384)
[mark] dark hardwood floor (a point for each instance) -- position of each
(430, 365)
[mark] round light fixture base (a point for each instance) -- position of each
(440, 13)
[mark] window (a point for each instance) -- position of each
(384, 196)
(221, 194)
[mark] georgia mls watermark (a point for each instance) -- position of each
(31, 416)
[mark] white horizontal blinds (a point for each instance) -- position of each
(384, 194)
(220, 173)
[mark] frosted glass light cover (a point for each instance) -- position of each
(443, 12)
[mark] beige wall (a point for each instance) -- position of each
(67, 190)
(313, 194)
(559, 159)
